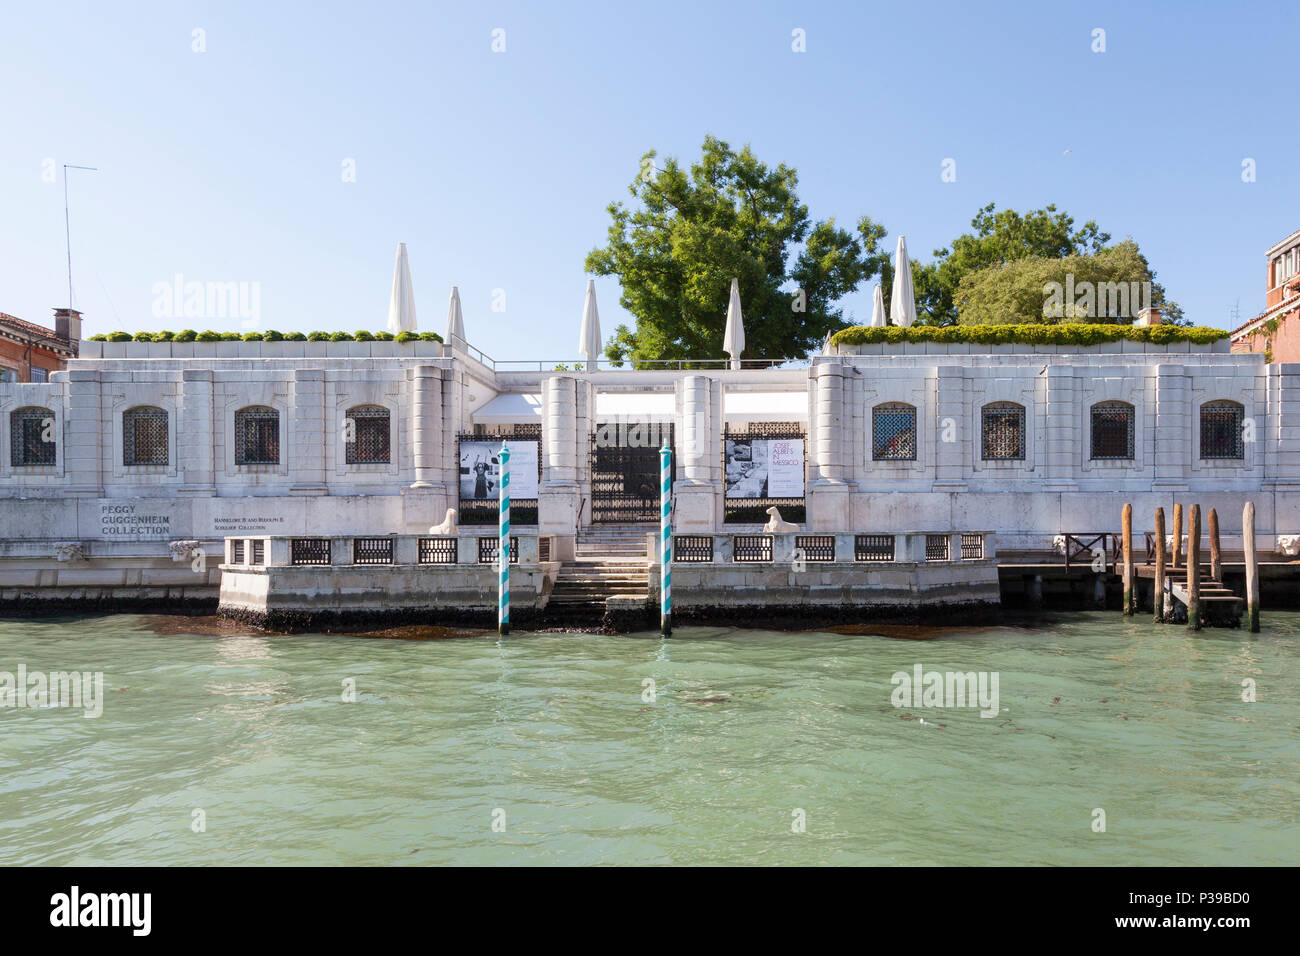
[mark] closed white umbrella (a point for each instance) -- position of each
(902, 306)
(733, 339)
(401, 306)
(878, 317)
(589, 337)
(455, 321)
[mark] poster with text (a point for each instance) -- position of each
(480, 469)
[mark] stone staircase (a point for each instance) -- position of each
(610, 562)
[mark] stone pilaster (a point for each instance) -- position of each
(424, 502)
(1062, 443)
(695, 491)
(559, 495)
(1172, 454)
(1282, 436)
(952, 444)
(84, 429)
(828, 492)
(426, 425)
(196, 435)
(306, 447)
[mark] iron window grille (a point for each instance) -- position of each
(309, 551)
(693, 548)
(257, 436)
(27, 433)
(144, 436)
(1112, 431)
(936, 547)
(751, 548)
(259, 552)
(237, 551)
(1221, 430)
(873, 547)
(368, 428)
(893, 432)
(972, 547)
(816, 547)
(438, 551)
(372, 550)
(1003, 432)
(489, 547)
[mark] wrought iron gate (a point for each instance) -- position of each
(625, 477)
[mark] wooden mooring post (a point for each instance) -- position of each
(1252, 567)
(1126, 533)
(1158, 596)
(1178, 534)
(1193, 568)
(1216, 558)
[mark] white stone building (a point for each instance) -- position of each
(138, 446)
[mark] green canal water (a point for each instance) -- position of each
(549, 737)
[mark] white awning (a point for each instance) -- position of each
(765, 406)
(509, 409)
(636, 406)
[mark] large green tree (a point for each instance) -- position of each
(997, 238)
(727, 216)
(1108, 285)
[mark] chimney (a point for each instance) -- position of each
(1149, 316)
(67, 325)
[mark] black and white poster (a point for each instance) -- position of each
(480, 469)
(765, 468)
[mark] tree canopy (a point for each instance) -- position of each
(727, 216)
(1112, 284)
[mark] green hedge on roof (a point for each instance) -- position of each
(189, 335)
(1068, 333)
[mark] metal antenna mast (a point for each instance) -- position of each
(67, 222)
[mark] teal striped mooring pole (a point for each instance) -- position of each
(503, 548)
(666, 540)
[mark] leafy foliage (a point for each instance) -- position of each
(727, 216)
(1070, 333)
(975, 264)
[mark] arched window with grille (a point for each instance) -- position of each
(367, 435)
(1002, 432)
(144, 436)
(893, 432)
(32, 440)
(1112, 431)
(1221, 430)
(257, 436)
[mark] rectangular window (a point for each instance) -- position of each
(1003, 432)
(893, 432)
(1112, 431)
(1221, 431)
(38, 374)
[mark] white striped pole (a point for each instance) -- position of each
(503, 547)
(666, 540)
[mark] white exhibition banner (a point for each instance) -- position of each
(785, 468)
(480, 469)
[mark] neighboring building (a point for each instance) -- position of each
(1276, 330)
(30, 353)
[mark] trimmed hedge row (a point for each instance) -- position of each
(1068, 333)
(189, 335)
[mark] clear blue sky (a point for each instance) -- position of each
(495, 168)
